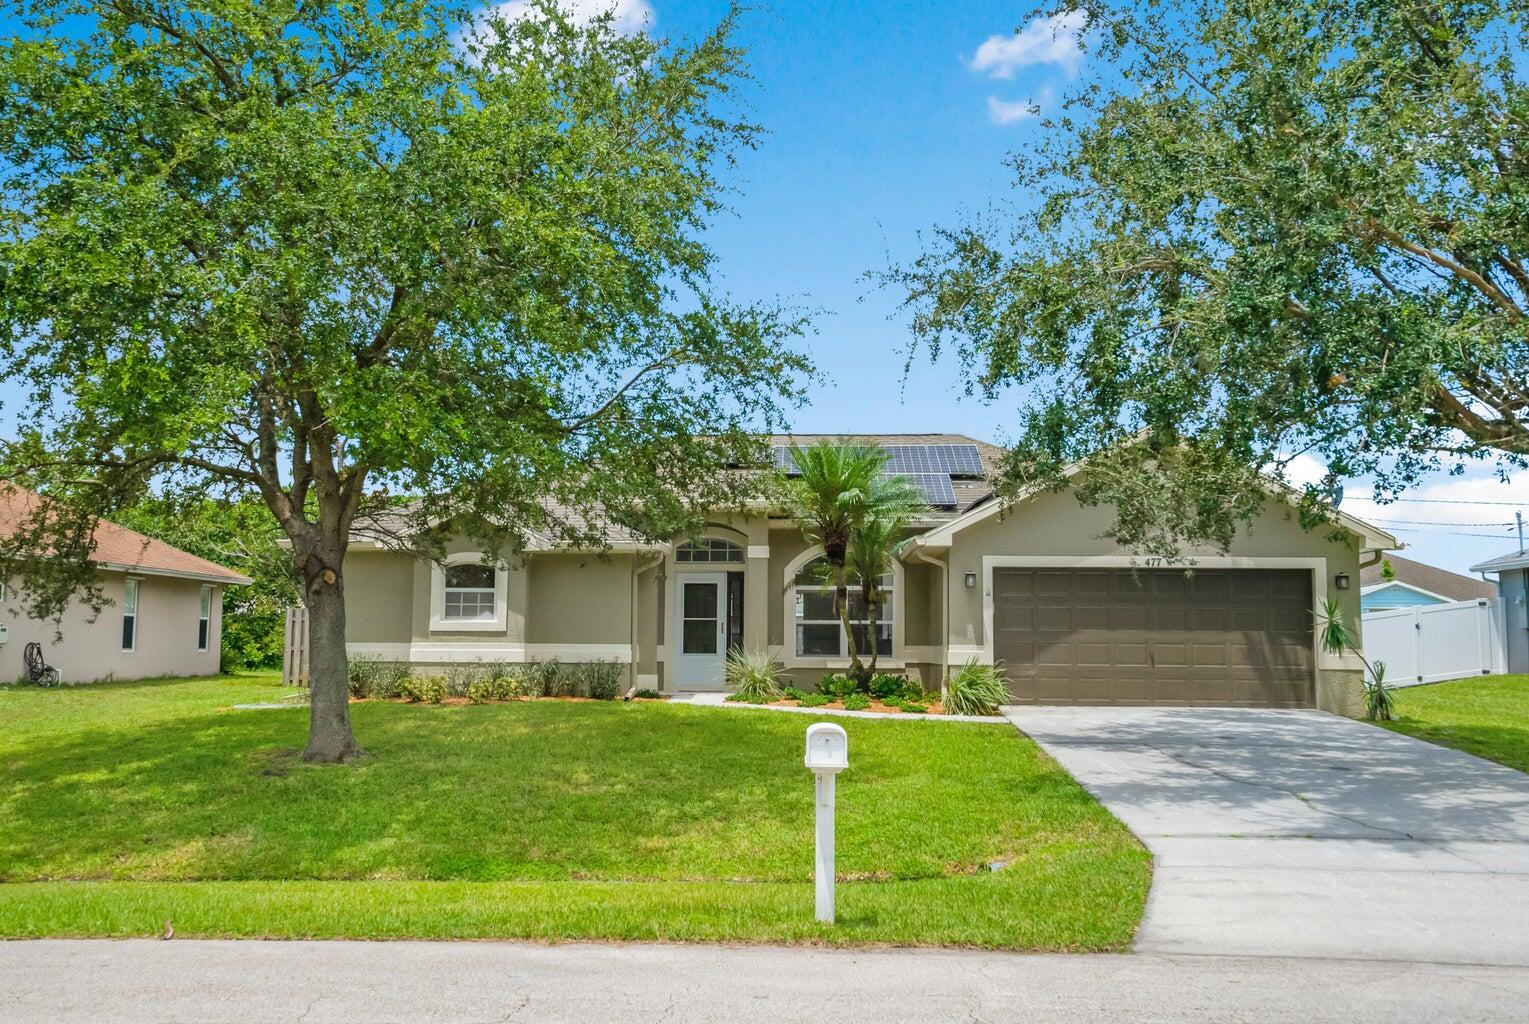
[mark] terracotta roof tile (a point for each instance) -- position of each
(119, 547)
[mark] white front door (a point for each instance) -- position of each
(700, 626)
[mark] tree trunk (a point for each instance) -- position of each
(872, 607)
(841, 598)
(330, 740)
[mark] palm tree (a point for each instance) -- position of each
(829, 496)
(895, 502)
(837, 490)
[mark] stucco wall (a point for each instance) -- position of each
(166, 634)
(379, 593)
(579, 599)
(1513, 589)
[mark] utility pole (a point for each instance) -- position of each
(1520, 517)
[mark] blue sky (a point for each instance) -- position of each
(884, 120)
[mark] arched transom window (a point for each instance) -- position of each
(708, 549)
(819, 633)
(469, 592)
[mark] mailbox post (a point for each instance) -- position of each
(827, 756)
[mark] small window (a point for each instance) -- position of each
(129, 614)
(469, 592)
(712, 549)
(204, 620)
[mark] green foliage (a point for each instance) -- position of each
(976, 689)
(857, 702)
(885, 686)
(793, 693)
(815, 700)
(648, 693)
(373, 677)
(912, 707)
(423, 689)
(755, 676)
(602, 680)
(1299, 230)
(1386, 570)
(375, 273)
(1379, 701)
(498, 687)
(837, 684)
(1333, 629)
(543, 679)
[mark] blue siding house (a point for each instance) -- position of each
(1411, 584)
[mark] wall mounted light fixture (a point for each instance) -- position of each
(1341, 580)
(971, 581)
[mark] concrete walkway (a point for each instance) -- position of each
(140, 981)
(1298, 833)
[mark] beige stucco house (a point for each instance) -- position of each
(1032, 583)
(164, 617)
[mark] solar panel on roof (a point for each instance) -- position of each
(936, 487)
(950, 459)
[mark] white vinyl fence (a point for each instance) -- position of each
(1431, 643)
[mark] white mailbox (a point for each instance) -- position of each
(827, 748)
(827, 756)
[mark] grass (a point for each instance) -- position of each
(1486, 716)
(124, 805)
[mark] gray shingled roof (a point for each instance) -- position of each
(1513, 560)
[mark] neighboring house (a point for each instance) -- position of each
(1032, 583)
(164, 619)
(1414, 584)
(1512, 572)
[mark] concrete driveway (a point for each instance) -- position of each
(1298, 833)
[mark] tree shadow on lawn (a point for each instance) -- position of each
(478, 793)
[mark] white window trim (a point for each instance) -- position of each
(1316, 566)
(737, 563)
(439, 623)
(137, 582)
(788, 608)
(203, 614)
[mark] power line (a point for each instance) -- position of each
(1430, 522)
(1436, 501)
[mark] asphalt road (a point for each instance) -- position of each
(127, 982)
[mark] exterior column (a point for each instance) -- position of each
(756, 585)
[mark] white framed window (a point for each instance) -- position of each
(820, 634)
(470, 594)
(204, 620)
(708, 550)
(129, 614)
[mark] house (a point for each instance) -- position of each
(164, 619)
(1414, 583)
(1031, 583)
(1512, 571)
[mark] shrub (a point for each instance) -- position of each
(976, 689)
(601, 680)
(542, 679)
(648, 694)
(372, 677)
(885, 686)
(837, 685)
(505, 686)
(857, 702)
(423, 689)
(815, 700)
(912, 707)
(755, 676)
(792, 693)
(1379, 704)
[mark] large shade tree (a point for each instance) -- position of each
(1256, 230)
(386, 268)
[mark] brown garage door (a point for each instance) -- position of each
(1228, 637)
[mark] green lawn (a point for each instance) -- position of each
(123, 805)
(1488, 717)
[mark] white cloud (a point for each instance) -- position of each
(1052, 40)
(1010, 111)
(629, 17)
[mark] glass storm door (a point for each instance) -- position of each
(700, 616)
